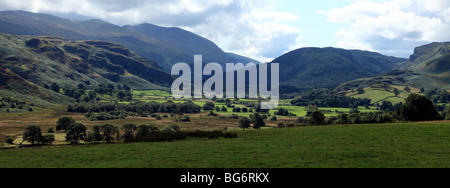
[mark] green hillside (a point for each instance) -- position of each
(166, 46)
(432, 62)
(30, 62)
(329, 67)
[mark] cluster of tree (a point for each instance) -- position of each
(33, 134)
(256, 119)
(82, 94)
(416, 108)
(437, 95)
(138, 107)
(8, 102)
(103, 116)
(284, 112)
(328, 98)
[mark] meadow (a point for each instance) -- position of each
(409, 145)
(397, 145)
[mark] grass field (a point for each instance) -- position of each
(411, 145)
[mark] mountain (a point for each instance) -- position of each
(185, 41)
(432, 62)
(329, 67)
(242, 59)
(43, 60)
(166, 46)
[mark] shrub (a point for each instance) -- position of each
(185, 118)
(50, 130)
(47, 139)
(175, 127)
(273, 118)
(9, 140)
(167, 130)
(224, 109)
(316, 118)
(230, 135)
(208, 106)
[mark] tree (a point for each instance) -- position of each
(273, 118)
(361, 90)
(97, 133)
(316, 118)
(75, 133)
(129, 131)
(447, 117)
(244, 123)
(121, 94)
(55, 87)
(396, 92)
(47, 139)
(419, 108)
(175, 127)
(32, 134)
(259, 121)
(407, 89)
(63, 123)
(386, 106)
(208, 106)
(224, 109)
(146, 130)
(108, 132)
(185, 118)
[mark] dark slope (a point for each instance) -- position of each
(45, 60)
(329, 67)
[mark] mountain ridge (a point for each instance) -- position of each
(163, 51)
(328, 67)
(47, 59)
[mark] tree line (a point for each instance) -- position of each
(136, 107)
(416, 108)
(328, 98)
(107, 133)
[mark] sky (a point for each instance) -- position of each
(266, 29)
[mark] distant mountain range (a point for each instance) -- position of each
(166, 46)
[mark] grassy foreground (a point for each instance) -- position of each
(414, 145)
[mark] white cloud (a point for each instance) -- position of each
(393, 27)
(248, 27)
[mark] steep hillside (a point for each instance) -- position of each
(46, 60)
(329, 67)
(185, 41)
(12, 85)
(433, 62)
